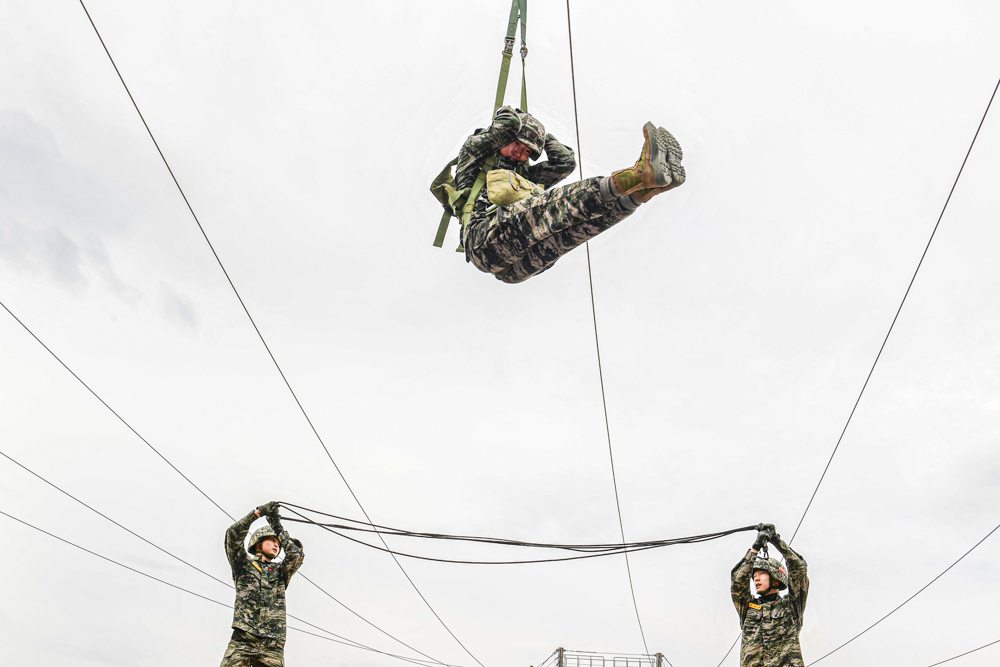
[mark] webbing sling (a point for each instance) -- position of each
(518, 14)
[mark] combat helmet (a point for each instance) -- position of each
(259, 536)
(532, 134)
(775, 569)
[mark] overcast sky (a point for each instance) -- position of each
(738, 315)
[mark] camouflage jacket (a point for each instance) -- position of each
(771, 624)
(260, 584)
(560, 160)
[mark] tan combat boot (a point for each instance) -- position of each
(643, 196)
(659, 165)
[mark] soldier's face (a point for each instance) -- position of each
(762, 581)
(269, 547)
(515, 150)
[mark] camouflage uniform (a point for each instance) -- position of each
(771, 623)
(521, 240)
(259, 613)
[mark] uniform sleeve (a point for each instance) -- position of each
(740, 587)
(560, 161)
(294, 555)
(485, 143)
(237, 532)
(798, 578)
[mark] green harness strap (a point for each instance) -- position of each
(518, 14)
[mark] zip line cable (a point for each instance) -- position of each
(120, 418)
(192, 484)
(94, 553)
(898, 310)
(596, 550)
(960, 655)
(597, 342)
(260, 335)
(198, 569)
(903, 603)
(341, 640)
(886, 339)
(106, 517)
(732, 646)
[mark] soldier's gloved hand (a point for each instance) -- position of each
(759, 543)
(274, 518)
(267, 508)
(774, 538)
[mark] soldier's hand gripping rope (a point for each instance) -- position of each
(770, 622)
(259, 613)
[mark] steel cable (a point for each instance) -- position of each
(903, 603)
(597, 341)
(259, 334)
(960, 655)
(339, 640)
(891, 326)
(186, 479)
(898, 311)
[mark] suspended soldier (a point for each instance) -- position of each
(771, 622)
(517, 224)
(259, 613)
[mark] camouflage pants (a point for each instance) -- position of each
(247, 650)
(522, 240)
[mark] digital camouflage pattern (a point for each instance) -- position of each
(260, 585)
(771, 624)
(521, 240)
(246, 650)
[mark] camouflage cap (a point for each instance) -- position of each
(775, 569)
(259, 536)
(532, 135)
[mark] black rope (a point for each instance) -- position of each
(257, 329)
(597, 342)
(593, 550)
(491, 540)
(903, 603)
(898, 310)
(340, 640)
(955, 657)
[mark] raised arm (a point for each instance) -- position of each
(294, 555)
(798, 577)
(560, 161)
(740, 585)
(485, 143)
(235, 535)
(740, 588)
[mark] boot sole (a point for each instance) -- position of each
(665, 157)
